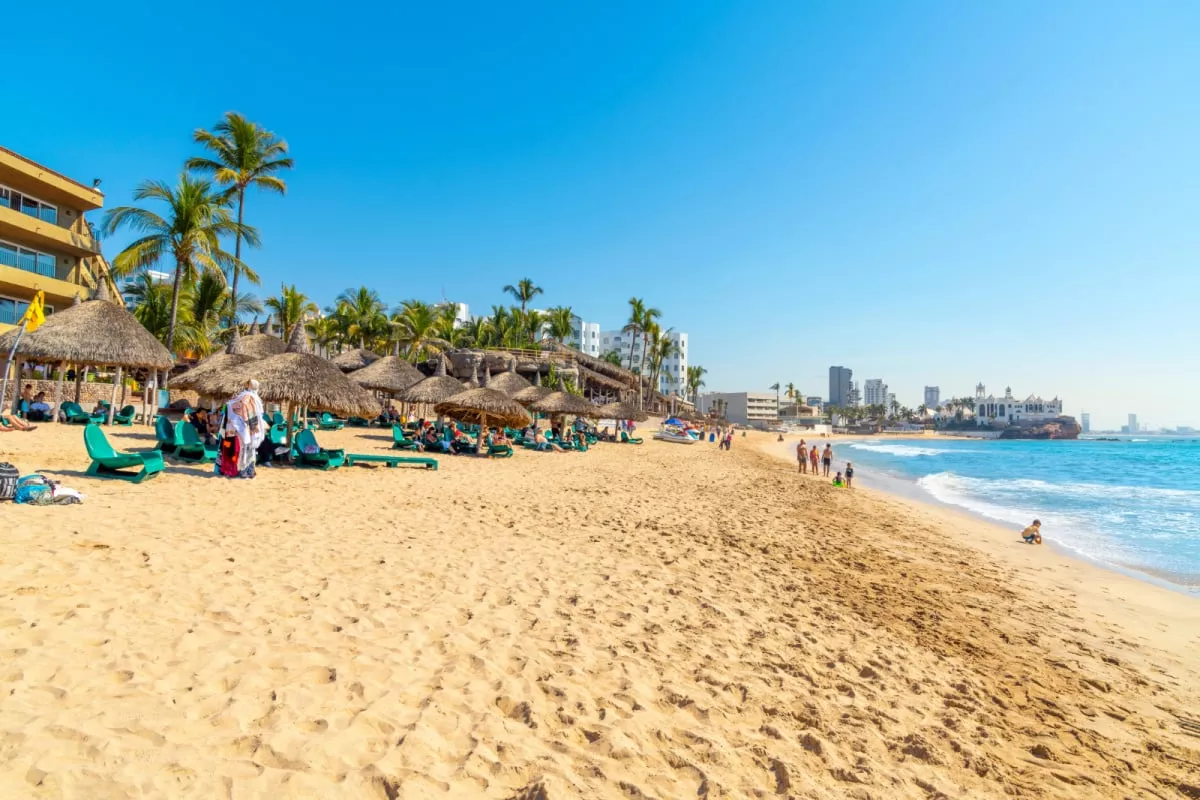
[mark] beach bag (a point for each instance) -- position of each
(230, 450)
(8, 480)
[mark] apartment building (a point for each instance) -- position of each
(672, 378)
(45, 242)
(755, 409)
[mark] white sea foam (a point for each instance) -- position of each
(903, 450)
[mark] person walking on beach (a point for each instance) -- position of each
(849, 474)
(802, 457)
(813, 457)
(827, 460)
(1033, 534)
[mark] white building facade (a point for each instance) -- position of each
(753, 409)
(989, 408)
(673, 375)
(875, 392)
(585, 337)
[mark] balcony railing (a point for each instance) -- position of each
(28, 263)
(8, 314)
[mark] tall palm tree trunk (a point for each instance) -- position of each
(178, 283)
(237, 254)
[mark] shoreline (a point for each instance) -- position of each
(908, 491)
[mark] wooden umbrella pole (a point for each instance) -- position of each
(58, 389)
(290, 409)
(112, 404)
(480, 442)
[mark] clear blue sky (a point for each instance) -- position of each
(926, 192)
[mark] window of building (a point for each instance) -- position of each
(11, 310)
(12, 255)
(32, 206)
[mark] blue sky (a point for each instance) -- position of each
(926, 192)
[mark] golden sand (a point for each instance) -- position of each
(660, 621)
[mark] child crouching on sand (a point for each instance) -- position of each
(1033, 534)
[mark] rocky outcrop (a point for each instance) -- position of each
(1057, 428)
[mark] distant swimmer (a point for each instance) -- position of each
(1033, 534)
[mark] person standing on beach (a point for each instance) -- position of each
(849, 474)
(813, 457)
(827, 460)
(802, 457)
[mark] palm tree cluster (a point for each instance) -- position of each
(188, 225)
(657, 347)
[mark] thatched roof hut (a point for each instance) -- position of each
(95, 333)
(563, 402)
(352, 360)
(619, 374)
(621, 411)
(509, 382)
(434, 389)
(390, 374)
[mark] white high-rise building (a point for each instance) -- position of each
(875, 392)
(1085, 422)
(585, 337)
(933, 397)
(673, 375)
(1133, 423)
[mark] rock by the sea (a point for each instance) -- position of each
(1057, 428)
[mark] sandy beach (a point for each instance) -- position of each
(660, 621)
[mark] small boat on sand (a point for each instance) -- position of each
(674, 430)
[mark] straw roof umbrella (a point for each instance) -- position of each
(619, 410)
(510, 382)
(234, 355)
(434, 389)
(352, 360)
(296, 377)
(390, 374)
(261, 345)
(95, 333)
(563, 402)
(479, 406)
(531, 394)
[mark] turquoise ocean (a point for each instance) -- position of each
(1132, 504)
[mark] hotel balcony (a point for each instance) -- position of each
(35, 232)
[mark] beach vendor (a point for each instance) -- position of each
(1033, 534)
(244, 420)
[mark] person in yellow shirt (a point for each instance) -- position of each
(1033, 534)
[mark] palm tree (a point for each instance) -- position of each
(150, 302)
(790, 394)
(649, 318)
(243, 155)
(612, 357)
(661, 348)
(446, 326)
(894, 406)
(197, 218)
(531, 323)
(290, 308)
(561, 320)
(523, 292)
(361, 315)
(633, 327)
(922, 410)
(695, 379)
(775, 386)
(325, 332)
(414, 326)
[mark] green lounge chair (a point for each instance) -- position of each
(124, 416)
(165, 434)
(627, 439)
(499, 451)
(319, 457)
(75, 415)
(327, 422)
(108, 463)
(191, 447)
(391, 461)
(278, 434)
(277, 419)
(400, 441)
(358, 422)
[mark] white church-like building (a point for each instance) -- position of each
(989, 408)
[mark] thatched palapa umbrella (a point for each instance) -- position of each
(390, 374)
(563, 402)
(481, 406)
(261, 345)
(95, 333)
(531, 394)
(509, 382)
(618, 411)
(234, 355)
(352, 360)
(297, 378)
(432, 390)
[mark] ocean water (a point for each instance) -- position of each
(1132, 504)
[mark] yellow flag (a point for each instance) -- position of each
(35, 315)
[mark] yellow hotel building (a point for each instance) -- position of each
(45, 242)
